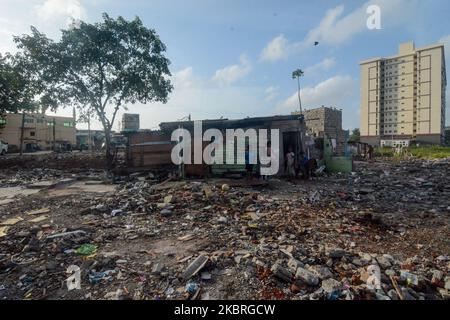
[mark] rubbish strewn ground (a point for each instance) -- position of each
(148, 238)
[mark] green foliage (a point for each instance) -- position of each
(430, 152)
(423, 152)
(355, 136)
(297, 74)
(383, 152)
(111, 63)
(16, 89)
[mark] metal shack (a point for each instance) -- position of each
(147, 150)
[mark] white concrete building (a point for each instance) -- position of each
(403, 96)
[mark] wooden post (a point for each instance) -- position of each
(21, 133)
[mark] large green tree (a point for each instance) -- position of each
(100, 68)
(16, 90)
(355, 136)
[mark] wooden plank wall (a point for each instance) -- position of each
(150, 155)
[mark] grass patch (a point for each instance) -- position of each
(430, 152)
(422, 152)
(383, 152)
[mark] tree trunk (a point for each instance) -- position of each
(109, 154)
(299, 99)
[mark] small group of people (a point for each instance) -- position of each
(369, 153)
(306, 166)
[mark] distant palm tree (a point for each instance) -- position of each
(297, 74)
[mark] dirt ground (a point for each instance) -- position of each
(144, 235)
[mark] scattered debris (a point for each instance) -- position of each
(377, 233)
(194, 267)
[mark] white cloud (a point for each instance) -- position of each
(230, 74)
(323, 65)
(336, 28)
(199, 97)
(52, 10)
(49, 16)
(276, 49)
(6, 42)
(334, 91)
(204, 99)
(183, 79)
(272, 92)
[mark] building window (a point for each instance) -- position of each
(2, 121)
(40, 120)
(32, 133)
(29, 120)
(50, 123)
(68, 124)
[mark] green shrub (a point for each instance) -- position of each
(383, 152)
(429, 152)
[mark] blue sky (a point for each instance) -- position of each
(235, 58)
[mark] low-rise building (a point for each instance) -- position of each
(325, 121)
(130, 122)
(39, 131)
(95, 140)
(149, 149)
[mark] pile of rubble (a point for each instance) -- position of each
(65, 161)
(380, 233)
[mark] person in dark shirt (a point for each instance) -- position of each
(248, 164)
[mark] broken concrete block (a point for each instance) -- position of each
(293, 264)
(437, 277)
(336, 253)
(157, 268)
(206, 276)
(166, 212)
(445, 294)
(194, 267)
(365, 257)
(321, 271)
(66, 234)
(385, 261)
(168, 199)
(3, 231)
(447, 283)
(410, 278)
(392, 294)
(282, 273)
(306, 276)
(208, 192)
(331, 285)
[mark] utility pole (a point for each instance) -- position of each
(89, 134)
(21, 133)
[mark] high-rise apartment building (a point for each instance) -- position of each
(403, 96)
